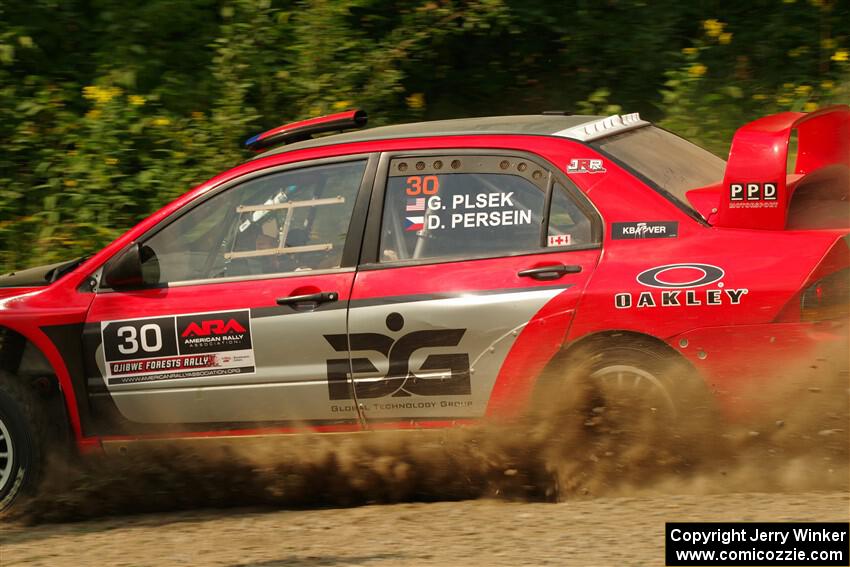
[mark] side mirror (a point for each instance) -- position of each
(125, 271)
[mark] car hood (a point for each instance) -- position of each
(40, 276)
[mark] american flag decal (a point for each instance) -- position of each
(415, 205)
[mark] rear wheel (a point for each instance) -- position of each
(22, 440)
(621, 410)
(624, 370)
(639, 373)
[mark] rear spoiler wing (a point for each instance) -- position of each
(758, 186)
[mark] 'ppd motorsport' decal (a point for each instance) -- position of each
(753, 196)
(400, 380)
(676, 283)
(182, 346)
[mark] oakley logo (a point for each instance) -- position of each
(213, 327)
(444, 374)
(665, 276)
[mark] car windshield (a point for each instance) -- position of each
(672, 163)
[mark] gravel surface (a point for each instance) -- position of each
(592, 532)
(590, 480)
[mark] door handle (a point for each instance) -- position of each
(308, 302)
(546, 273)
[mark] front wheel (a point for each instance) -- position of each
(22, 427)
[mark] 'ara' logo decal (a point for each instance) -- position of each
(400, 380)
(212, 327)
(214, 332)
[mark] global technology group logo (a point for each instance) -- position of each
(440, 374)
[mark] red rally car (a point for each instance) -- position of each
(425, 275)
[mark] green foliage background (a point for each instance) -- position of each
(111, 108)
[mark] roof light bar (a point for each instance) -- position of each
(305, 129)
(605, 127)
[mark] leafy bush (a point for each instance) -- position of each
(108, 110)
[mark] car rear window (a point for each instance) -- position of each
(672, 163)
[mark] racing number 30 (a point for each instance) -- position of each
(422, 185)
(150, 337)
(133, 339)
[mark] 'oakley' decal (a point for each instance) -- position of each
(680, 293)
(654, 276)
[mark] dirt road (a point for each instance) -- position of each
(583, 485)
(593, 532)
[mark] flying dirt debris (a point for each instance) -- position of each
(585, 448)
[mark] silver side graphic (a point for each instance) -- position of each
(423, 374)
(411, 357)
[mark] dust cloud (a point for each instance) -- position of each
(792, 437)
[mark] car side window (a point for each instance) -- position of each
(290, 221)
(568, 224)
(465, 206)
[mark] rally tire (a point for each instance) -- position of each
(24, 430)
(620, 410)
(641, 372)
(628, 370)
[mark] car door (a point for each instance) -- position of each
(470, 278)
(246, 282)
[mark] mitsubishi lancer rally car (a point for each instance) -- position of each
(428, 275)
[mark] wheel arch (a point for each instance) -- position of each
(592, 343)
(22, 357)
(619, 337)
(580, 353)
